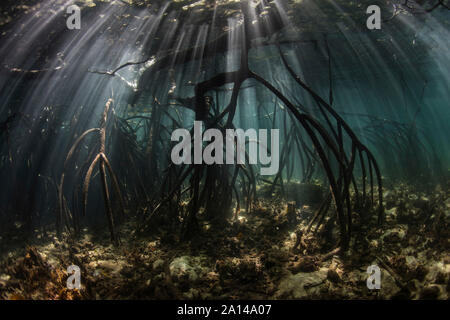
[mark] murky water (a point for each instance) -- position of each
(362, 115)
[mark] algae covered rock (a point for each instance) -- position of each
(304, 264)
(398, 233)
(246, 269)
(188, 268)
(158, 265)
(431, 292)
(302, 285)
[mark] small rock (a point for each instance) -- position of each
(304, 264)
(158, 265)
(301, 285)
(395, 234)
(446, 260)
(188, 268)
(333, 276)
(191, 294)
(5, 277)
(435, 270)
(430, 293)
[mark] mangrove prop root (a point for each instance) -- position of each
(104, 167)
(325, 146)
(319, 136)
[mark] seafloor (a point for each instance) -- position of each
(259, 255)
